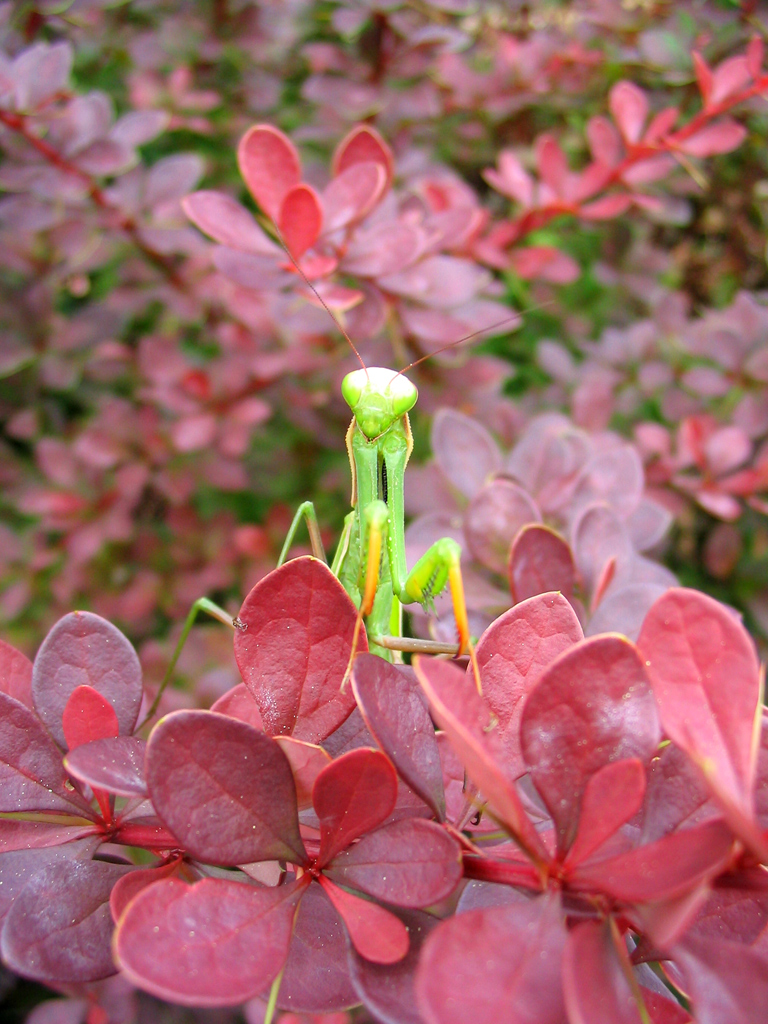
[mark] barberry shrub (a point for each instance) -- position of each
(583, 838)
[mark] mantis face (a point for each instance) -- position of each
(378, 397)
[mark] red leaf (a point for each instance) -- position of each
(238, 703)
(88, 716)
(215, 943)
(353, 193)
(705, 676)
(551, 163)
(32, 776)
(612, 797)
(15, 674)
(727, 981)
(316, 977)
(132, 883)
(224, 789)
(513, 653)
(604, 141)
(270, 165)
(666, 869)
(629, 108)
(362, 144)
(607, 207)
(595, 986)
(300, 220)
(227, 222)
(754, 55)
(307, 760)
(352, 796)
(540, 561)
(729, 77)
(394, 710)
(375, 933)
(295, 651)
(545, 263)
(83, 649)
(460, 711)
(410, 863)
(660, 126)
(115, 765)
(703, 77)
(58, 929)
(503, 962)
(593, 706)
(33, 835)
(720, 137)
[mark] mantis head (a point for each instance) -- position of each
(378, 397)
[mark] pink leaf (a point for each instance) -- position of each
(755, 50)
(544, 262)
(729, 77)
(703, 77)
(227, 222)
(300, 219)
(215, 943)
(361, 145)
(352, 194)
(604, 141)
(88, 716)
(238, 703)
(15, 674)
(84, 649)
(270, 165)
(503, 962)
(511, 179)
(512, 655)
(294, 652)
(464, 450)
(353, 795)
(551, 163)
(376, 934)
(493, 518)
(613, 796)
(540, 561)
(607, 207)
(720, 137)
(307, 760)
(223, 788)
(629, 108)
(594, 980)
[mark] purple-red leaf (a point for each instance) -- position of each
(353, 193)
(464, 450)
(18, 866)
(224, 789)
(227, 222)
(394, 710)
(133, 882)
(15, 674)
(613, 796)
(307, 760)
(83, 649)
(493, 518)
(375, 933)
(300, 220)
(295, 650)
(32, 776)
(540, 561)
(514, 652)
(502, 962)
(88, 716)
(352, 796)
(270, 165)
(238, 703)
(594, 705)
(594, 983)
(215, 943)
(727, 981)
(59, 928)
(410, 863)
(460, 711)
(705, 676)
(115, 764)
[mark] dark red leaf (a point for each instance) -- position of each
(59, 928)
(133, 882)
(670, 867)
(394, 709)
(594, 705)
(33, 835)
(540, 561)
(594, 983)
(32, 776)
(83, 649)
(410, 863)
(512, 655)
(18, 866)
(223, 788)
(316, 977)
(295, 650)
(375, 933)
(116, 765)
(363, 144)
(15, 674)
(613, 796)
(503, 962)
(388, 990)
(215, 943)
(460, 711)
(703, 667)
(352, 796)
(88, 716)
(270, 165)
(301, 219)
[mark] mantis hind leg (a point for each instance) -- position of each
(305, 511)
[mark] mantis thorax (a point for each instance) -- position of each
(378, 397)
